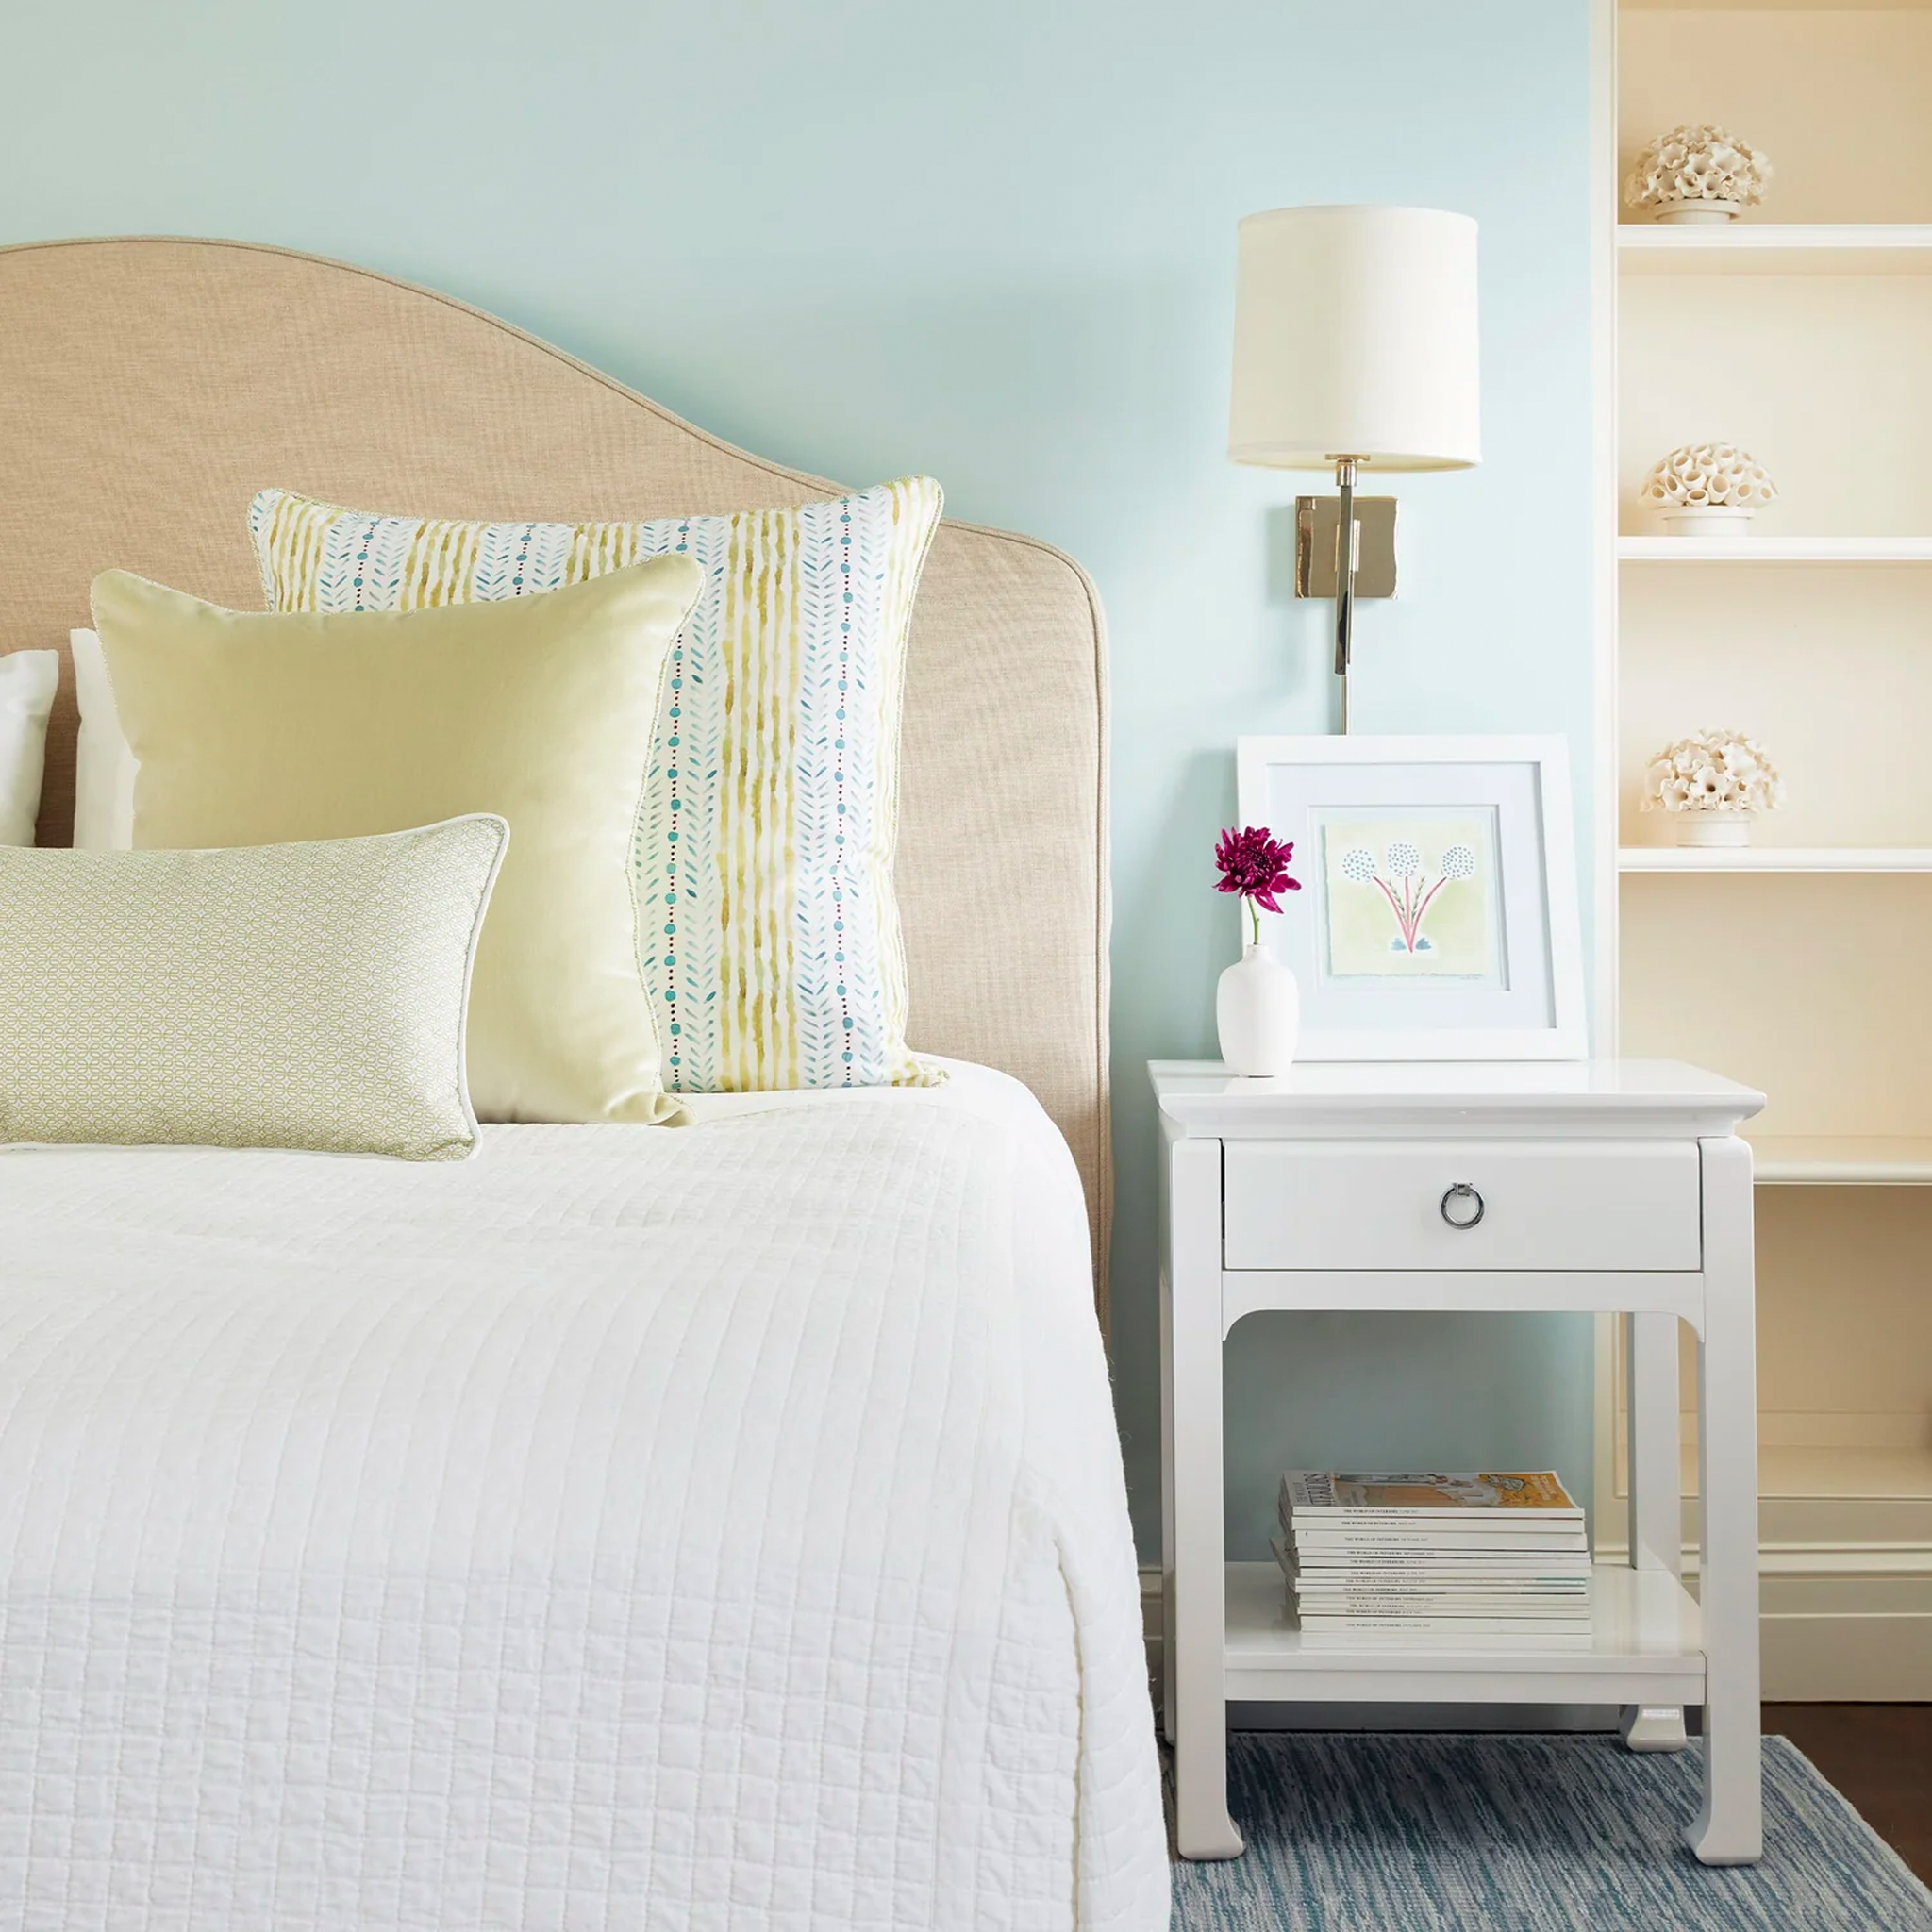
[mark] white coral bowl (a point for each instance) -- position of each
(1712, 827)
(1689, 211)
(1708, 519)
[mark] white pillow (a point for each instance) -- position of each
(104, 768)
(27, 682)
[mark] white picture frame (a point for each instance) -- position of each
(1463, 848)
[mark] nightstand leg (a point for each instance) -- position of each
(1169, 1640)
(1197, 1679)
(1730, 1827)
(1654, 1727)
(1657, 1502)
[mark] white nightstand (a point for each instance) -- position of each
(1605, 1185)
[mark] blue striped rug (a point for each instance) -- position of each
(1527, 1834)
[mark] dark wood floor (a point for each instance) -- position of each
(1880, 1756)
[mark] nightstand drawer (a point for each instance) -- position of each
(1560, 1205)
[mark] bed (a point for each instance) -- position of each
(720, 1525)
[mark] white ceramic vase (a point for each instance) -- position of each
(1713, 827)
(1708, 522)
(1692, 213)
(1257, 1012)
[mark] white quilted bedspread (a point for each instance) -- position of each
(629, 1528)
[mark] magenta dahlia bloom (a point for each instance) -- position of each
(1254, 864)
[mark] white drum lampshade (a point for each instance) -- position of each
(1356, 336)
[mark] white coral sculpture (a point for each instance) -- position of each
(1708, 476)
(1713, 771)
(1703, 163)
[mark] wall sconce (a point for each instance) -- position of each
(1354, 347)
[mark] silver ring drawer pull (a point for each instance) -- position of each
(1461, 1192)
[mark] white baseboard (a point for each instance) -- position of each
(1841, 1623)
(1849, 1658)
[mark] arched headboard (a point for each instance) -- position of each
(149, 387)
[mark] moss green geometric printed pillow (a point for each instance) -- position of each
(768, 936)
(310, 995)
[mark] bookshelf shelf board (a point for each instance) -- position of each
(1690, 550)
(1842, 1161)
(1858, 1474)
(1776, 248)
(1775, 5)
(1898, 859)
(1804, 1473)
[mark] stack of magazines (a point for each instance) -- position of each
(1484, 1560)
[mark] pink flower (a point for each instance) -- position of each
(1254, 864)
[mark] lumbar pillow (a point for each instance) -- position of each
(27, 683)
(303, 996)
(103, 766)
(769, 940)
(252, 730)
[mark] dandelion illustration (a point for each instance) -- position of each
(1404, 883)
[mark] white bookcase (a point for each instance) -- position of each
(1803, 964)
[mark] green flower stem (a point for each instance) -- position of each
(1253, 917)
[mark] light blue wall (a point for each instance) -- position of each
(991, 241)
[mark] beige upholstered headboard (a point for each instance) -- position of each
(148, 387)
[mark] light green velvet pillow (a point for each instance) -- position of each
(254, 729)
(307, 995)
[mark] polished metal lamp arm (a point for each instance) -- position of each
(1344, 575)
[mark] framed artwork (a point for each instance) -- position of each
(1437, 916)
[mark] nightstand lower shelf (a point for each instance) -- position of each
(1646, 1647)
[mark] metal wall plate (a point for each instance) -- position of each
(1315, 522)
